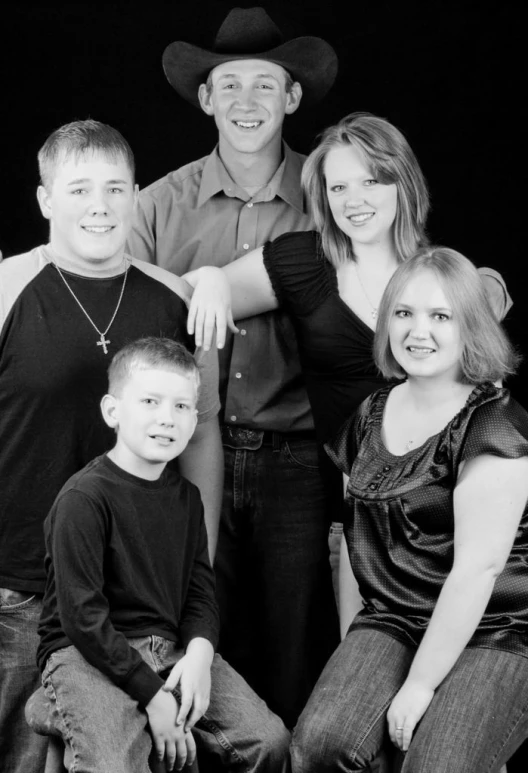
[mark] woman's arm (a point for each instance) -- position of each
(350, 601)
(489, 500)
(215, 302)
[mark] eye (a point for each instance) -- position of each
(148, 401)
(442, 317)
(337, 188)
(265, 86)
(228, 86)
(77, 191)
(370, 181)
(116, 190)
(182, 406)
(402, 313)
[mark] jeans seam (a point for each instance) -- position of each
(6, 608)
(222, 739)
(238, 477)
(515, 723)
(68, 736)
(383, 710)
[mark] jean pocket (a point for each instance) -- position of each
(302, 453)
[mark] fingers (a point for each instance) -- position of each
(212, 322)
(401, 734)
(231, 322)
(198, 710)
(185, 707)
(174, 677)
(191, 748)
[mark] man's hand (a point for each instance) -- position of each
(170, 740)
(406, 710)
(210, 306)
(193, 674)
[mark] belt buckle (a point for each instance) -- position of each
(242, 438)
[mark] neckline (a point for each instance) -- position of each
(379, 411)
(51, 257)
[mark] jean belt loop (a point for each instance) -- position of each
(277, 442)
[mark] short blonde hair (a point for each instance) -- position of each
(389, 156)
(487, 354)
(147, 353)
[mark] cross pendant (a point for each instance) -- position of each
(374, 313)
(103, 343)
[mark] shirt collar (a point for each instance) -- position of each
(285, 183)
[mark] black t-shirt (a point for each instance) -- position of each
(52, 378)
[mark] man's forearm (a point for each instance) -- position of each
(202, 463)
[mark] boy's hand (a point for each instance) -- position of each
(193, 673)
(170, 740)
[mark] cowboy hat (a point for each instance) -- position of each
(249, 33)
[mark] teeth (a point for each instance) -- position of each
(420, 349)
(360, 218)
(97, 229)
(248, 124)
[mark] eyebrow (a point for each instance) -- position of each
(433, 308)
(84, 180)
(258, 75)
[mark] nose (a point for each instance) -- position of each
(98, 204)
(420, 328)
(165, 416)
(246, 99)
(355, 196)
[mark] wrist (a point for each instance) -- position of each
(201, 648)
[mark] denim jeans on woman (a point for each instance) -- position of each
(106, 731)
(476, 720)
(21, 750)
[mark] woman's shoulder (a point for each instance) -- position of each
(492, 423)
(301, 276)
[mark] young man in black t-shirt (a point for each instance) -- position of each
(65, 309)
(129, 612)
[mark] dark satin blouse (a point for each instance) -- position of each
(399, 523)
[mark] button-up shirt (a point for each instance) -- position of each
(198, 216)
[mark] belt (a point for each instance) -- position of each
(253, 439)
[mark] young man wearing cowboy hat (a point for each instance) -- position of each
(279, 622)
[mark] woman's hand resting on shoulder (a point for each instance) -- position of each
(210, 307)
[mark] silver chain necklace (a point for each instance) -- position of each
(103, 340)
(374, 309)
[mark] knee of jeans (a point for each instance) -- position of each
(311, 748)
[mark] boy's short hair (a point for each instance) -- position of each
(147, 353)
(77, 139)
(487, 354)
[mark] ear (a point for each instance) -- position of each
(110, 410)
(136, 195)
(44, 200)
(294, 97)
(205, 99)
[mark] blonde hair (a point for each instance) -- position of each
(487, 354)
(389, 156)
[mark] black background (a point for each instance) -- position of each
(447, 73)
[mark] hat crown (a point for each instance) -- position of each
(247, 31)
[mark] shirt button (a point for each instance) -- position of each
(378, 475)
(243, 332)
(245, 246)
(373, 486)
(250, 204)
(386, 468)
(233, 418)
(238, 375)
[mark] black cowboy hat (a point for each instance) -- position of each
(249, 33)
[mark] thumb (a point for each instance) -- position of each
(174, 677)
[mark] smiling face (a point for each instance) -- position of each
(155, 416)
(248, 100)
(90, 205)
(362, 207)
(424, 334)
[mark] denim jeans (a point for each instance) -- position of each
(104, 729)
(334, 546)
(278, 614)
(476, 720)
(21, 750)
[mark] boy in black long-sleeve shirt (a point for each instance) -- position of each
(129, 610)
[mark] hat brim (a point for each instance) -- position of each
(311, 61)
